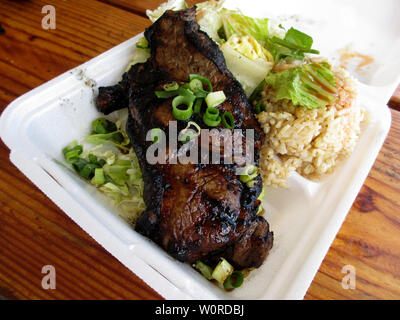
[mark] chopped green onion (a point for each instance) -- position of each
(102, 126)
(87, 171)
(222, 271)
(171, 86)
(195, 85)
(72, 151)
(228, 121)
(79, 164)
(180, 114)
(211, 117)
(182, 91)
(73, 146)
(214, 99)
(99, 126)
(188, 134)
(249, 173)
(73, 154)
(202, 79)
(250, 184)
(101, 162)
(99, 176)
(69, 147)
(197, 106)
(212, 113)
(156, 135)
(205, 270)
(165, 94)
(211, 123)
(92, 158)
(235, 280)
(187, 93)
(201, 94)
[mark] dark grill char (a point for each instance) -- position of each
(195, 212)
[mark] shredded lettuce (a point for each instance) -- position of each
(175, 5)
(140, 55)
(249, 47)
(111, 166)
(236, 23)
(248, 72)
(209, 18)
(310, 85)
(117, 138)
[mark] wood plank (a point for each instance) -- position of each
(34, 232)
(394, 102)
(30, 55)
(140, 7)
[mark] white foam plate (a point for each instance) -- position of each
(304, 218)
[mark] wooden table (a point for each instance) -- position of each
(34, 232)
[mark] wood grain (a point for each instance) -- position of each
(394, 103)
(34, 232)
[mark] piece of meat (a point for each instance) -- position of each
(194, 211)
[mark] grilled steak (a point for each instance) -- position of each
(194, 211)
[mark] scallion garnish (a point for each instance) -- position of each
(222, 271)
(102, 126)
(182, 114)
(171, 86)
(249, 173)
(212, 123)
(211, 117)
(228, 121)
(197, 105)
(235, 280)
(196, 85)
(99, 177)
(72, 151)
(203, 80)
(214, 99)
(212, 113)
(79, 164)
(165, 94)
(87, 171)
(182, 91)
(205, 270)
(73, 154)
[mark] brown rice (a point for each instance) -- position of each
(310, 142)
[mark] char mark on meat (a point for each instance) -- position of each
(194, 211)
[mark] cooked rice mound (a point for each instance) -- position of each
(311, 142)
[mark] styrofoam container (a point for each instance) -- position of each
(305, 218)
